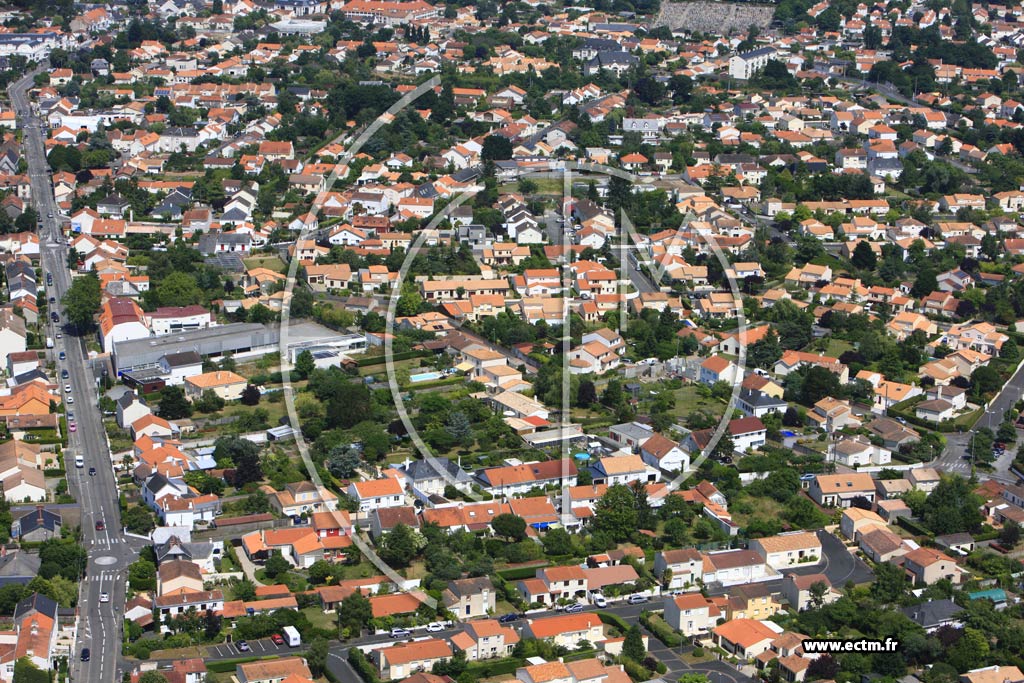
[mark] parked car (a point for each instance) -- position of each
(278, 640)
(400, 633)
(62, 355)
(243, 646)
(435, 626)
(574, 608)
(637, 599)
(599, 601)
(509, 618)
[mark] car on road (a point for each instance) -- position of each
(243, 646)
(71, 399)
(100, 525)
(509, 618)
(71, 415)
(67, 388)
(599, 601)
(53, 300)
(92, 471)
(574, 608)
(636, 599)
(59, 335)
(62, 355)
(64, 374)
(72, 427)
(54, 317)
(104, 597)
(435, 626)
(400, 633)
(85, 654)
(278, 640)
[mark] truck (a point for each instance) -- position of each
(291, 636)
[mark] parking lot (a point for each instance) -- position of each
(263, 646)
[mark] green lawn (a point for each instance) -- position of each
(318, 619)
(837, 347)
(270, 262)
(690, 399)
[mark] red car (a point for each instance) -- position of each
(278, 640)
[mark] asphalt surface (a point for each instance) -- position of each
(958, 445)
(110, 551)
(838, 564)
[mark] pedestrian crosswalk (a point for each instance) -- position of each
(102, 577)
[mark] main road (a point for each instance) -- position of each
(109, 550)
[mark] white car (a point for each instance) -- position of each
(104, 597)
(67, 388)
(70, 400)
(599, 601)
(435, 626)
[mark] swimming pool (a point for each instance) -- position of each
(425, 377)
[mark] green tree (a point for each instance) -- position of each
(864, 256)
(209, 402)
(82, 302)
(27, 672)
(316, 657)
(355, 613)
(138, 520)
(496, 148)
(250, 395)
(890, 584)
(633, 645)
(173, 404)
(765, 352)
(1009, 536)
(399, 546)
(970, 652)
(304, 364)
(509, 526)
(276, 565)
(142, 575)
(342, 461)
(152, 677)
(179, 289)
(616, 513)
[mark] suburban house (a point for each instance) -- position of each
(788, 550)
(470, 598)
(840, 490)
(691, 613)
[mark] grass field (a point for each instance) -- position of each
(689, 399)
(270, 262)
(837, 347)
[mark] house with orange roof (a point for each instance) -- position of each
(151, 425)
(926, 566)
(377, 493)
(398, 661)
(485, 639)
(304, 498)
(745, 638)
(566, 630)
(692, 614)
(224, 383)
(121, 320)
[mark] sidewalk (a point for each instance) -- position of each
(248, 568)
